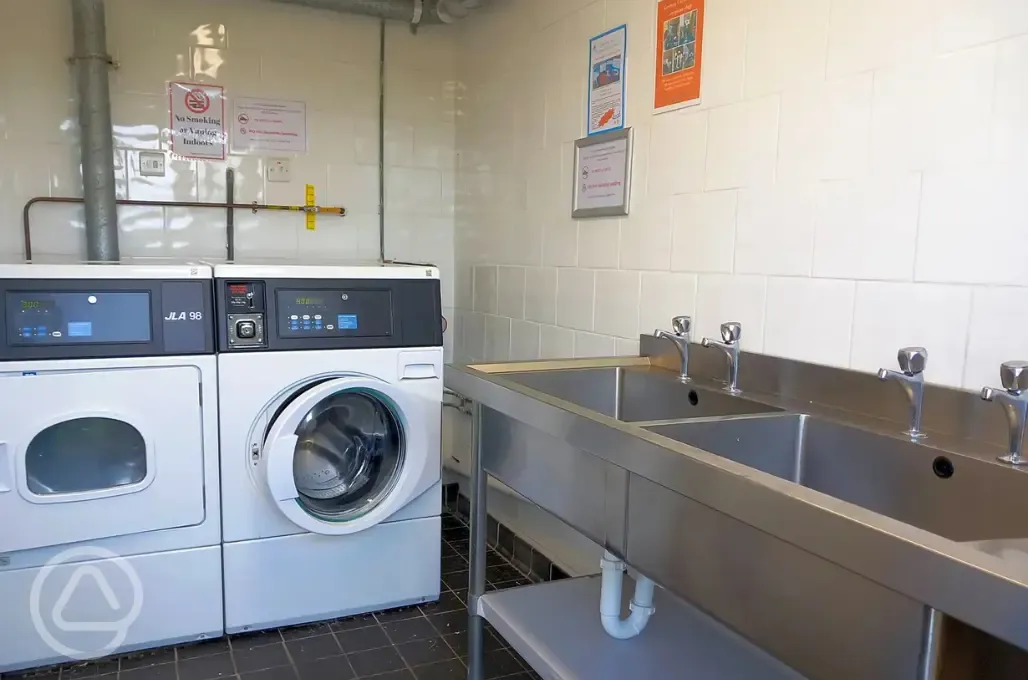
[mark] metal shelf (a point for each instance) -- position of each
(556, 628)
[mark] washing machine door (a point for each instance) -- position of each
(342, 456)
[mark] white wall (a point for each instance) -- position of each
(261, 49)
(853, 181)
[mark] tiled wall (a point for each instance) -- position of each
(853, 181)
(257, 49)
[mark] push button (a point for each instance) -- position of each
(247, 330)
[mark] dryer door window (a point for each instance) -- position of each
(348, 455)
(85, 454)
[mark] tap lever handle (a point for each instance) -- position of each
(681, 325)
(731, 332)
(1014, 376)
(912, 360)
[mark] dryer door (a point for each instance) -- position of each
(343, 455)
(91, 454)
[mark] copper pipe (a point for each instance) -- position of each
(254, 207)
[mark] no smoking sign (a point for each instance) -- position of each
(197, 101)
(197, 120)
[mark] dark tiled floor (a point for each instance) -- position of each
(415, 643)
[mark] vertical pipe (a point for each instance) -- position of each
(928, 664)
(91, 63)
(476, 576)
(381, 140)
(230, 216)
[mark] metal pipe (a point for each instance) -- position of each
(91, 62)
(479, 519)
(381, 141)
(432, 11)
(253, 207)
(230, 214)
(929, 659)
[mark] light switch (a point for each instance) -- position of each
(279, 170)
(151, 164)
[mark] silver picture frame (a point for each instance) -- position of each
(617, 206)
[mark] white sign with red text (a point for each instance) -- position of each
(197, 121)
(602, 181)
(268, 125)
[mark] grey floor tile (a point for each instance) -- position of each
(207, 667)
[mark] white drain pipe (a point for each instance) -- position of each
(613, 572)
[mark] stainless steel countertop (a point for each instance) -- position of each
(984, 584)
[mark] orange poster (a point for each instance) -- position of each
(679, 52)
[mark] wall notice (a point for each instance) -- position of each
(679, 53)
(269, 125)
(197, 121)
(607, 80)
(603, 169)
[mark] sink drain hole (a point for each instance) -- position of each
(693, 397)
(942, 467)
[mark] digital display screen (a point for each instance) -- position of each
(310, 301)
(79, 317)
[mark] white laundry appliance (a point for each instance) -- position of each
(110, 526)
(330, 384)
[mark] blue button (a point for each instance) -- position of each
(27, 332)
(42, 330)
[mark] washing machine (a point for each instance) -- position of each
(330, 384)
(110, 538)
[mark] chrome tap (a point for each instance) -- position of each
(1014, 376)
(731, 332)
(912, 362)
(681, 327)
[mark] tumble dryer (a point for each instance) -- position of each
(330, 384)
(110, 538)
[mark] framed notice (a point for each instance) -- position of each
(607, 81)
(679, 53)
(268, 125)
(603, 175)
(197, 120)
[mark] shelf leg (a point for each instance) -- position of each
(931, 645)
(476, 575)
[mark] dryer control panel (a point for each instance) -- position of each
(293, 314)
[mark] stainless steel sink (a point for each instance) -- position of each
(635, 394)
(961, 498)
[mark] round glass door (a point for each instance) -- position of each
(349, 454)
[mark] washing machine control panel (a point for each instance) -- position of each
(294, 314)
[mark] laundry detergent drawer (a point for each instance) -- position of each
(90, 454)
(93, 608)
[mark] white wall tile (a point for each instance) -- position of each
(617, 303)
(556, 343)
(664, 296)
(969, 218)
(721, 298)
(992, 309)
(742, 145)
(497, 338)
(962, 23)
(511, 292)
(859, 39)
(785, 44)
(775, 233)
(867, 229)
(541, 294)
(589, 345)
(485, 289)
(474, 336)
(598, 241)
(576, 290)
(1010, 134)
(646, 236)
(826, 130)
(703, 231)
(677, 153)
(626, 348)
(889, 316)
(560, 240)
(524, 340)
(798, 306)
(724, 53)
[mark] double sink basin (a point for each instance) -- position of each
(959, 497)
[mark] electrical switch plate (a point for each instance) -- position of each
(151, 163)
(279, 170)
